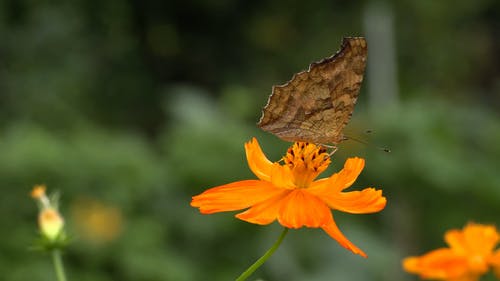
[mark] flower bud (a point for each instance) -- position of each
(51, 223)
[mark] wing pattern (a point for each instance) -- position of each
(316, 104)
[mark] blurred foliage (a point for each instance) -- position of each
(128, 108)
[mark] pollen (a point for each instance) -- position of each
(306, 161)
(309, 155)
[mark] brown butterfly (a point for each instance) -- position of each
(316, 104)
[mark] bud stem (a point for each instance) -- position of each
(58, 265)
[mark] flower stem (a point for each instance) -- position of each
(58, 265)
(263, 259)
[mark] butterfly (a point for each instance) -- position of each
(316, 104)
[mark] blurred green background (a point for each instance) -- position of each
(128, 108)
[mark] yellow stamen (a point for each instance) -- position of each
(306, 161)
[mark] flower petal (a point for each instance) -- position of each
(341, 180)
(299, 208)
(282, 177)
(368, 200)
(348, 175)
(494, 261)
(481, 239)
(455, 239)
(475, 239)
(234, 196)
(442, 263)
(265, 212)
(332, 229)
(257, 160)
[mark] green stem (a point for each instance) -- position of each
(263, 259)
(58, 265)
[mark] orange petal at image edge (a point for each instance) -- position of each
(482, 238)
(441, 263)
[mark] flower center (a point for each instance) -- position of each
(306, 161)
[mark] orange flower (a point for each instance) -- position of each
(469, 256)
(289, 194)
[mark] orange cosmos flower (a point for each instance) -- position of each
(289, 194)
(469, 256)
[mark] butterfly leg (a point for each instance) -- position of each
(334, 149)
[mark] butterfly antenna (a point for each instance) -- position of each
(385, 149)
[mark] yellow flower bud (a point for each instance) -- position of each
(51, 223)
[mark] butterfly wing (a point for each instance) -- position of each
(315, 105)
